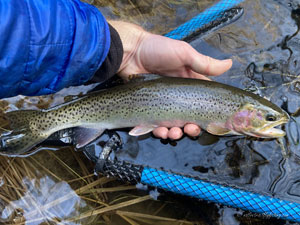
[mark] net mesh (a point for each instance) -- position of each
(123, 170)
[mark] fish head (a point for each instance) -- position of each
(258, 120)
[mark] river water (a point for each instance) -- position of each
(57, 186)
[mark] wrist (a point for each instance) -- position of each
(132, 37)
(113, 60)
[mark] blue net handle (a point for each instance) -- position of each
(211, 14)
(221, 194)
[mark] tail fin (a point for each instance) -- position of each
(23, 133)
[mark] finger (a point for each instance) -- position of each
(161, 132)
(210, 66)
(192, 130)
(206, 65)
(175, 133)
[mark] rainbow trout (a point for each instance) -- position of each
(218, 108)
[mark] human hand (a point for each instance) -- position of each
(149, 53)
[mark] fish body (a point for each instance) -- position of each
(218, 108)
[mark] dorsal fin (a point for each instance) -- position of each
(143, 77)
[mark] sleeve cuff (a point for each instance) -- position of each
(112, 62)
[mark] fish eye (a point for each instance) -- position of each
(270, 117)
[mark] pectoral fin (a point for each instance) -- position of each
(83, 135)
(141, 129)
(217, 129)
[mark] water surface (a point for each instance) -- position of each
(52, 187)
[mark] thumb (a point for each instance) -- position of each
(206, 65)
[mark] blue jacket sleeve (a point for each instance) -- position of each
(48, 45)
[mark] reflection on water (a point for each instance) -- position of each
(43, 200)
(31, 191)
(159, 16)
(60, 186)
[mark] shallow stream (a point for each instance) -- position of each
(52, 187)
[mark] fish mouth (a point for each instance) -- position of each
(269, 131)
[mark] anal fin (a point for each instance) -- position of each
(85, 135)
